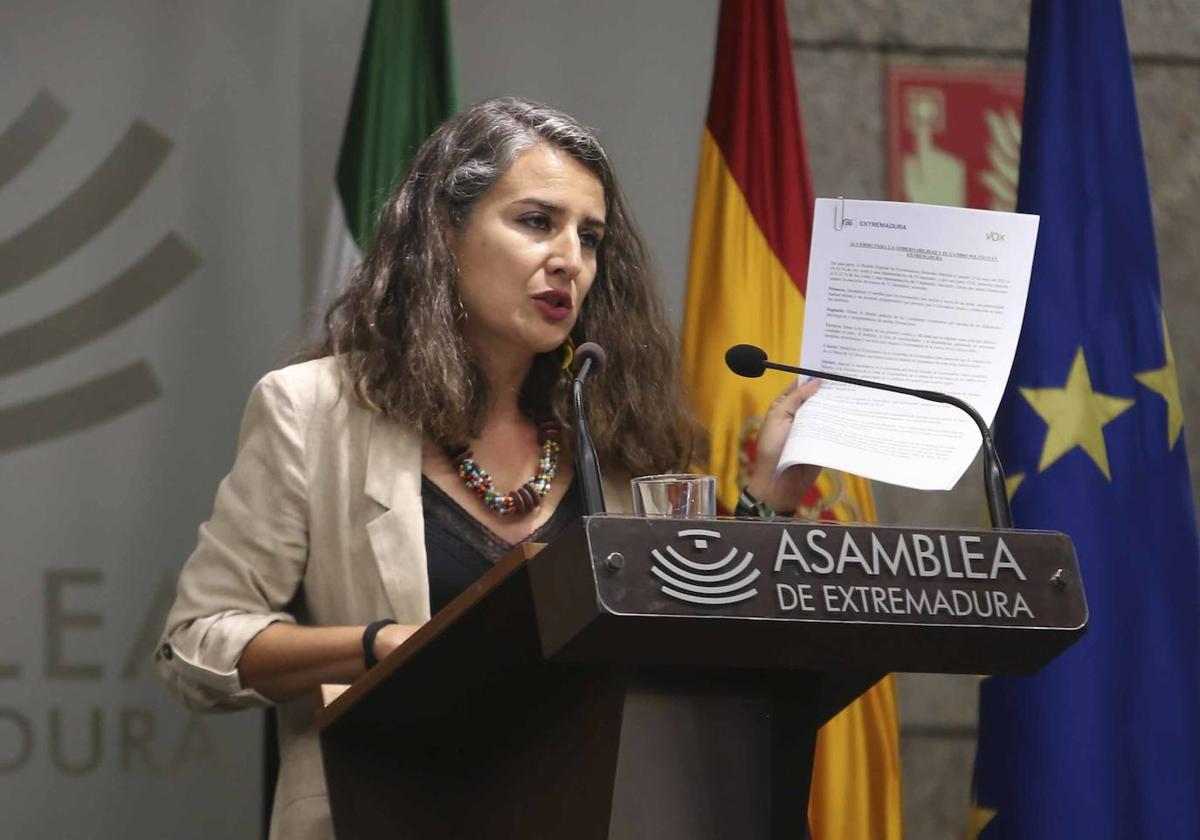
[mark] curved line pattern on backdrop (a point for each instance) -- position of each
(78, 407)
(112, 186)
(30, 132)
(91, 207)
(134, 290)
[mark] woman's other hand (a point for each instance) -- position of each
(286, 661)
(785, 492)
(390, 637)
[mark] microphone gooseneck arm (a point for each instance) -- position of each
(743, 360)
(587, 465)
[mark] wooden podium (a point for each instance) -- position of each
(660, 678)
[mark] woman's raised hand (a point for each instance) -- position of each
(785, 492)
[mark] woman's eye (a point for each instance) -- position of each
(589, 239)
(536, 220)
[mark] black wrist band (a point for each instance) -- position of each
(368, 641)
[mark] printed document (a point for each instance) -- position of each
(914, 295)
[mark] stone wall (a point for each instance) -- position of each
(841, 52)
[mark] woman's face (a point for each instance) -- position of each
(527, 255)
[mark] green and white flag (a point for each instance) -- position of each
(403, 90)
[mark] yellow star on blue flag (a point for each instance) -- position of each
(1164, 383)
(1076, 416)
(978, 818)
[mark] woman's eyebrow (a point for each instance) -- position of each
(552, 208)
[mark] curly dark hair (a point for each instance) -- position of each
(395, 331)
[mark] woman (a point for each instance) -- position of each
(371, 483)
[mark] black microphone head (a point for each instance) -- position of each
(592, 351)
(746, 360)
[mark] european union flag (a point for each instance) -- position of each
(1105, 741)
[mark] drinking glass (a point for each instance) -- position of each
(684, 495)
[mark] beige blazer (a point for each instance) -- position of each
(318, 522)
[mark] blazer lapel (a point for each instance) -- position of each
(397, 535)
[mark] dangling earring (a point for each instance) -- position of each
(568, 349)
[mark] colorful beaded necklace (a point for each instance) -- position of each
(526, 497)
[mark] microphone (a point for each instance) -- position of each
(746, 360)
(589, 360)
(750, 361)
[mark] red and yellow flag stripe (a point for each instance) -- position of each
(746, 283)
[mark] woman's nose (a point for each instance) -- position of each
(567, 254)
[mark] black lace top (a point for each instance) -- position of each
(459, 548)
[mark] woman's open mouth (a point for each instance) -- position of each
(553, 303)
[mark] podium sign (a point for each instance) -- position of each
(852, 596)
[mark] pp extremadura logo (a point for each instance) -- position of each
(709, 577)
(57, 228)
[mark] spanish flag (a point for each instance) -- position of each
(746, 283)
